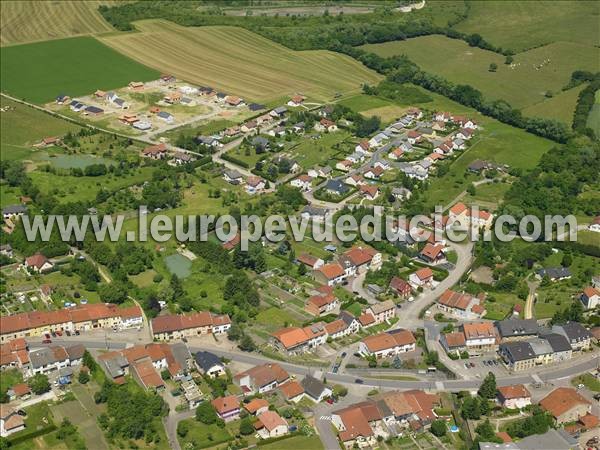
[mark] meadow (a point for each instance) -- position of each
(594, 117)
(76, 66)
(561, 106)
(22, 126)
(522, 84)
(519, 25)
(241, 62)
(28, 21)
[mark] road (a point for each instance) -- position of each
(530, 299)
(170, 423)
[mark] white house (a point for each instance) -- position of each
(595, 225)
(590, 297)
(302, 182)
(388, 344)
(273, 425)
(514, 397)
(10, 420)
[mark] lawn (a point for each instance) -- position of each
(238, 61)
(39, 416)
(387, 114)
(9, 378)
(71, 189)
(488, 195)
(74, 66)
(274, 318)
(362, 102)
(519, 25)
(204, 435)
(522, 84)
(296, 442)
(26, 21)
(22, 126)
(310, 153)
(589, 380)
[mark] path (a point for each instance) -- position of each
(171, 421)
(528, 314)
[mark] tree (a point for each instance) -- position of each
(39, 384)
(438, 428)
(83, 377)
(493, 67)
(509, 60)
(89, 362)
(247, 344)
(432, 358)
(471, 408)
(183, 428)
(235, 332)
(485, 430)
(114, 292)
(246, 426)
(206, 413)
(4, 443)
(177, 287)
(567, 260)
(165, 374)
(301, 269)
(487, 389)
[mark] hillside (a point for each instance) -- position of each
(28, 21)
(238, 61)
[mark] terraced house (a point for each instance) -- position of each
(178, 326)
(79, 318)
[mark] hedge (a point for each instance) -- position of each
(234, 160)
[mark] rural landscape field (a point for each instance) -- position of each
(300, 224)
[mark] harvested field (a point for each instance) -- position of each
(240, 62)
(29, 21)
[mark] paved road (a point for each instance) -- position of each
(170, 423)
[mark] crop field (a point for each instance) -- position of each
(76, 66)
(238, 61)
(520, 25)
(28, 21)
(522, 84)
(22, 126)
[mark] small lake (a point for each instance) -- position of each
(75, 161)
(179, 265)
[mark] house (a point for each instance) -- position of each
(209, 364)
(370, 192)
(363, 147)
(165, 116)
(336, 187)
(292, 165)
(576, 334)
(93, 111)
(326, 125)
(470, 216)
(277, 132)
(458, 144)
(255, 185)
(396, 154)
(414, 137)
(382, 311)
(38, 263)
(295, 340)
(298, 127)
(374, 172)
(13, 211)
(278, 112)
(422, 277)
(261, 379)
(356, 425)
(311, 261)
(6, 250)
(344, 325)
(434, 157)
(388, 344)
(320, 305)
(355, 180)
(465, 122)
(10, 421)
(255, 107)
(209, 141)
(76, 106)
(318, 171)
(517, 329)
(177, 326)
(249, 126)
(344, 165)
(400, 287)
(517, 356)
(271, 425)
(232, 176)
(454, 342)
(401, 193)
(514, 397)
(227, 408)
(158, 151)
(590, 297)
(256, 406)
(315, 213)
(232, 100)
(362, 258)
(555, 273)
(433, 254)
(47, 359)
(192, 393)
(296, 100)
(142, 125)
(315, 389)
(465, 134)
(480, 337)
(136, 85)
(62, 99)
(260, 143)
(438, 126)
(173, 98)
(566, 405)
(595, 225)
(292, 391)
(553, 439)
(20, 391)
(146, 376)
(181, 158)
(302, 182)
(461, 305)
(378, 139)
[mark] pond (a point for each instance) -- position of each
(75, 161)
(179, 265)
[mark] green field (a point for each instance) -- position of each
(76, 66)
(22, 126)
(519, 25)
(560, 107)
(522, 84)
(594, 118)
(241, 62)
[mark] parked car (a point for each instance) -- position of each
(344, 354)
(47, 341)
(59, 333)
(359, 381)
(77, 332)
(68, 333)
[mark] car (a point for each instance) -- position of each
(466, 365)
(344, 354)
(335, 369)
(597, 397)
(77, 332)
(184, 339)
(53, 334)
(485, 363)
(580, 386)
(359, 381)
(329, 400)
(68, 333)
(472, 364)
(47, 341)
(47, 336)
(59, 333)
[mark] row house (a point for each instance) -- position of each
(382, 311)
(49, 359)
(320, 305)
(344, 325)
(14, 354)
(79, 318)
(178, 326)
(576, 334)
(527, 354)
(388, 344)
